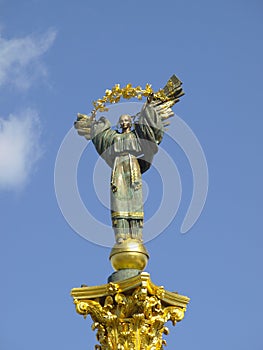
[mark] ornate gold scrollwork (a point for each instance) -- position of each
(133, 318)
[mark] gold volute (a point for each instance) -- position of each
(130, 314)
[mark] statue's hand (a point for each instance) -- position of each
(83, 125)
(150, 98)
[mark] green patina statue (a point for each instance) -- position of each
(129, 153)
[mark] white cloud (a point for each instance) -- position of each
(19, 148)
(20, 59)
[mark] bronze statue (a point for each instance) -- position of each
(130, 152)
(129, 312)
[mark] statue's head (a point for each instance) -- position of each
(125, 122)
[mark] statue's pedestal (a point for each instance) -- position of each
(131, 313)
(128, 258)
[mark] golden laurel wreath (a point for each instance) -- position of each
(114, 95)
(162, 100)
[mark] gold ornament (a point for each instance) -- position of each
(130, 314)
(114, 95)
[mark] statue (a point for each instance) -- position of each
(130, 152)
(130, 312)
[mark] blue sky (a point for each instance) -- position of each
(56, 57)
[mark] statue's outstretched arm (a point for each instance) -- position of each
(84, 124)
(163, 104)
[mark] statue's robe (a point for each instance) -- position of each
(129, 155)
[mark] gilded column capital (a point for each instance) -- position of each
(130, 314)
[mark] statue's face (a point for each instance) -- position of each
(125, 121)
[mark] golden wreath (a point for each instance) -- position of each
(114, 95)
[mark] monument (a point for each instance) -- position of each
(129, 312)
